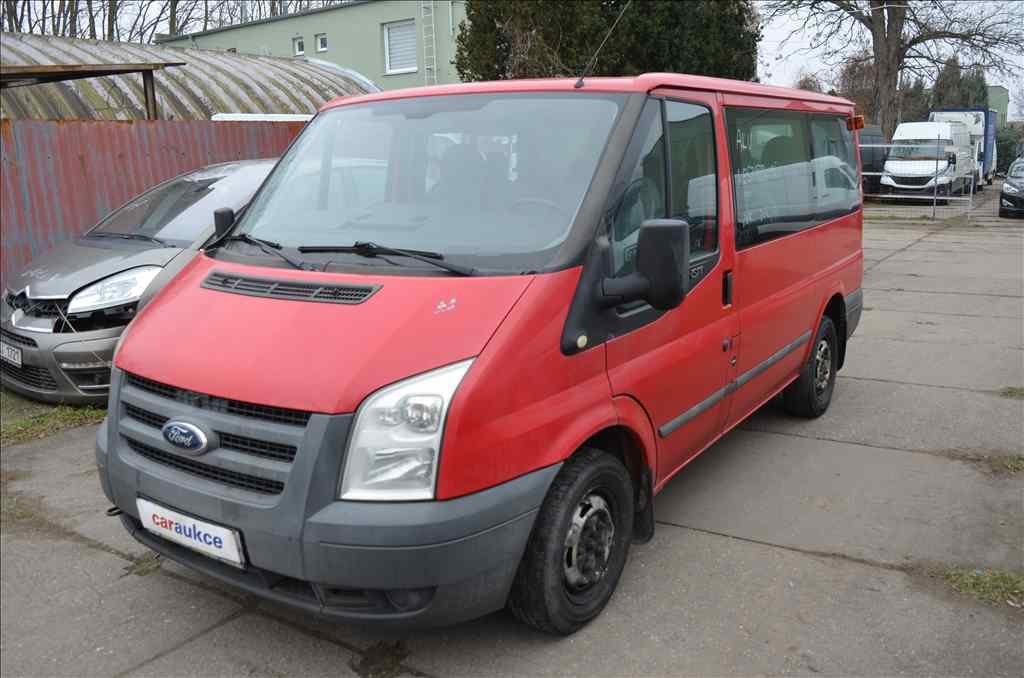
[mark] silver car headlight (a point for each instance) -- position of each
(117, 290)
(1010, 188)
(396, 440)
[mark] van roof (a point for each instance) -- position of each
(923, 130)
(639, 83)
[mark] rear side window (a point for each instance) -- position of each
(692, 161)
(835, 180)
(771, 174)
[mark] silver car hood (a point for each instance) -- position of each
(71, 265)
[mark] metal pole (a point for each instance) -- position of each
(935, 179)
(149, 90)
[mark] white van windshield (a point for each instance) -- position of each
(919, 149)
(489, 181)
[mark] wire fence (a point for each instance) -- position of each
(918, 181)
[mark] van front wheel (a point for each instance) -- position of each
(809, 396)
(578, 546)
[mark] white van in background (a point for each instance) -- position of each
(928, 153)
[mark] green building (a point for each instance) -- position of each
(999, 100)
(394, 43)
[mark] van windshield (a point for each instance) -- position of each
(919, 149)
(489, 181)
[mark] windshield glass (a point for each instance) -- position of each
(919, 149)
(489, 181)
(178, 211)
(1017, 170)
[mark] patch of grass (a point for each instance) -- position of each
(22, 420)
(991, 586)
(143, 565)
(1016, 392)
(1010, 463)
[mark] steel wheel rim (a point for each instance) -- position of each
(588, 543)
(822, 366)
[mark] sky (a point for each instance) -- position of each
(778, 65)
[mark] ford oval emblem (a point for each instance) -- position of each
(184, 436)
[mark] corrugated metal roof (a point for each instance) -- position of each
(212, 81)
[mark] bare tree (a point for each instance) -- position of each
(911, 37)
(809, 82)
(112, 20)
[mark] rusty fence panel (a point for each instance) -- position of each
(58, 178)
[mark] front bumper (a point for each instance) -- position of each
(930, 185)
(1012, 203)
(387, 563)
(60, 367)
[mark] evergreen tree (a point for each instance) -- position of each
(947, 92)
(915, 103)
(503, 39)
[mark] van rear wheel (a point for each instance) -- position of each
(809, 396)
(578, 547)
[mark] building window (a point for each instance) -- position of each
(321, 42)
(400, 47)
(298, 46)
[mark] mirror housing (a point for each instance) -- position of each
(662, 258)
(223, 220)
(951, 158)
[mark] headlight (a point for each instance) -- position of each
(396, 441)
(122, 288)
(1010, 188)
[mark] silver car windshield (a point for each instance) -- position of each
(489, 181)
(178, 211)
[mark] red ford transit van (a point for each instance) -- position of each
(462, 335)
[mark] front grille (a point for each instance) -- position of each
(258, 448)
(17, 338)
(38, 378)
(40, 308)
(289, 289)
(912, 181)
(233, 478)
(145, 416)
(278, 415)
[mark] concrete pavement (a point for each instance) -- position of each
(790, 547)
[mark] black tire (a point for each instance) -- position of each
(809, 396)
(542, 595)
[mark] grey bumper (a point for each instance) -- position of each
(407, 564)
(60, 367)
(854, 307)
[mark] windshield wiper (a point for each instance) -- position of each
(268, 246)
(128, 236)
(369, 249)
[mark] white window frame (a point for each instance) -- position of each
(296, 41)
(385, 27)
(316, 42)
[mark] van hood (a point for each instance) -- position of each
(305, 355)
(914, 168)
(71, 265)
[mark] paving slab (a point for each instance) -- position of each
(903, 416)
(61, 470)
(253, 645)
(918, 327)
(892, 278)
(692, 604)
(943, 303)
(72, 610)
(1006, 270)
(987, 368)
(882, 505)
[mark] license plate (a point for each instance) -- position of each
(215, 541)
(11, 354)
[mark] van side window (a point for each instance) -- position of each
(694, 195)
(835, 167)
(771, 168)
(641, 188)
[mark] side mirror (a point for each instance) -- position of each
(223, 220)
(952, 159)
(662, 257)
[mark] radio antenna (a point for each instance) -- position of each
(593, 59)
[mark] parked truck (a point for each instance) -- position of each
(981, 124)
